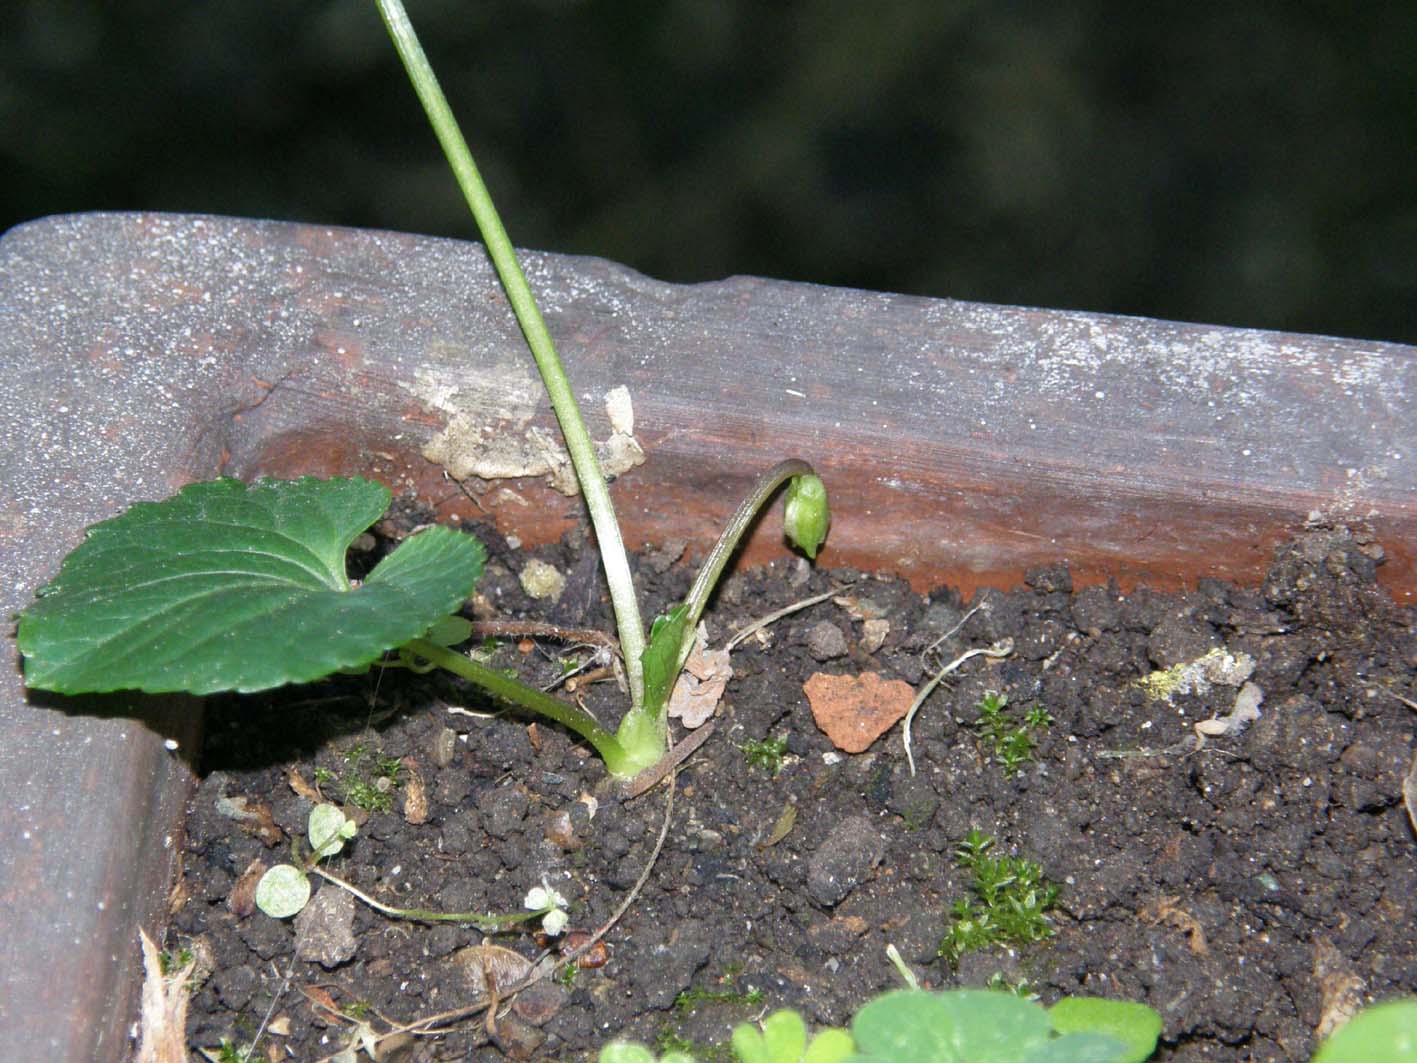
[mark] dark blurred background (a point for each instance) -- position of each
(1242, 163)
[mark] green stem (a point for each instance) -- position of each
(518, 693)
(738, 524)
(543, 349)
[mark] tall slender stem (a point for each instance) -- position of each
(538, 338)
(510, 690)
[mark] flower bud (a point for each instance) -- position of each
(807, 514)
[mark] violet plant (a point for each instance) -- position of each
(229, 586)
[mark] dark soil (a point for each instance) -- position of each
(1243, 890)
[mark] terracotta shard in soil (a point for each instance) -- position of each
(855, 710)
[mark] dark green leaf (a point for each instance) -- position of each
(227, 586)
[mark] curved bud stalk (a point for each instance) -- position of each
(805, 523)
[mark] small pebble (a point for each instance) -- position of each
(873, 634)
(541, 580)
(324, 930)
(825, 641)
(445, 747)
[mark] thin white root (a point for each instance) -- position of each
(1002, 648)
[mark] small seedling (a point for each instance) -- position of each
(544, 899)
(766, 754)
(901, 967)
(782, 1038)
(695, 997)
(1000, 984)
(1011, 744)
(169, 962)
(284, 889)
(1038, 717)
(1010, 900)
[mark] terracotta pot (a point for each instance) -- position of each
(961, 443)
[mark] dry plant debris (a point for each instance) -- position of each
(164, 1007)
(701, 684)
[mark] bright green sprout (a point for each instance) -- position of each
(1009, 902)
(1011, 744)
(766, 754)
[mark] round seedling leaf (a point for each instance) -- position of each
(961, 1026)
(829, 1046)
(1080, 1048)
(283, 891)
(449, 631)
(1135, 1025)
(1384, 1033)
(328, 828)
(781, 1040)
(230, 586)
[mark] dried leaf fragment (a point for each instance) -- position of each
(621, 410)
(873, 634)
(1169, 911)
(701, 684)
(782, 828)
(254, 818)
(164, 1007)
(1246, 711)
(322, 1003)
(1340, 988)
(481, 963)
(242, 898)
(302, 788)
(415, 794)
(859, 608)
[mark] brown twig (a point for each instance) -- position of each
(508, 629)
(574, 683)
(647, 779)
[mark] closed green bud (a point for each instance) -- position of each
(807, 514)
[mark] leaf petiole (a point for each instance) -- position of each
(527, 697)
